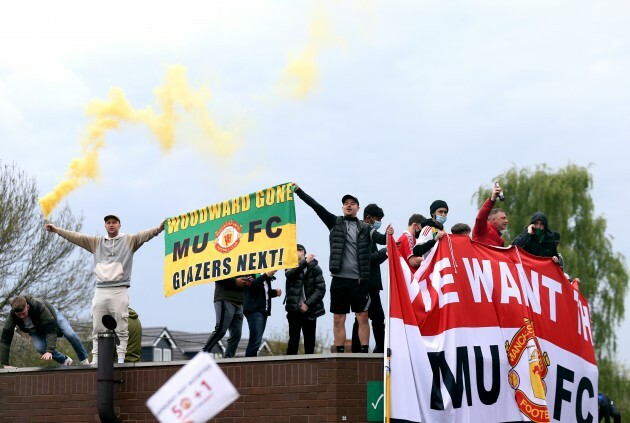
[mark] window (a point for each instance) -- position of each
(161, 354)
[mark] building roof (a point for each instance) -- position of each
(189, 343)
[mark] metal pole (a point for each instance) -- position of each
(105, 373)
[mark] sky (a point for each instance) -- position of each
(396, 102)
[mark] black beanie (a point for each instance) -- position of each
(301, 247)
(438, 204)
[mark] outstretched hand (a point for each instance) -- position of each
(50, 227)
(46, 356)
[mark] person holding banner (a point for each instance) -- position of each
(490, 223)
(257, 307)
(305, 290)
(407, 241)
(350, 248)
(372, 215)
(228, 307)
(113, 261)
(537, 238)
(432, 229)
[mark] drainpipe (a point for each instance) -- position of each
(105, 372)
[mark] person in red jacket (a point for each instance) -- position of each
(490, 222)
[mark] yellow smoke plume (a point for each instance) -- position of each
(109, 114)
(301, 74)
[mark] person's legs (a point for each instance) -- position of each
(359, 298)
(99, 309)
(295, 326)
(39, 342)
(224, 312)
(118, 308)
(356, 343)
(256, 322)
(71, 336)
(364, 328)
(339, 330)
(309, 328)
(377, 316)
(236, 327)
(340, 290)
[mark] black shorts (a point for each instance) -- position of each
(346, 294)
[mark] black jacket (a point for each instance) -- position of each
(307, 276)
(337, 237)
(542, 247)
(227, 290)
(377, 257)
(44, 321)
(257, 296)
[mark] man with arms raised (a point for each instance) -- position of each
(349, 264)
(490, 223)
(113, 260)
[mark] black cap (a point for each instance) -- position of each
(349, 197)
(301, 247)
(111, 216)
(438, 204)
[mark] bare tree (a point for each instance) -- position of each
(33, 261)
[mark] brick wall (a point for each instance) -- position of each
(299, 389)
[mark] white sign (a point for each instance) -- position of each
(195, 394)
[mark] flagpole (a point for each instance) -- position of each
(387, 357)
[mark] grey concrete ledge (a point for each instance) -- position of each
(273, 358)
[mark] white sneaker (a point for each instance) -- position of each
(85, 362)
(68, 361)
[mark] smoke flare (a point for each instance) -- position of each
(109, 114)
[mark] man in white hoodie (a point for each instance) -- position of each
(113, 260)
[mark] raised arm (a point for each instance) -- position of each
(87, 242)
(327, 217)
(136, 240)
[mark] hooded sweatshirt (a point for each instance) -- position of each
(113, 257)
(542, 245)
(134, 345)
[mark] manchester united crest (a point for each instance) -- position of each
(526, 356)
(228, 236)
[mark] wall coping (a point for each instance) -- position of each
(274, 358)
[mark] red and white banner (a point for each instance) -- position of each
(487, 334)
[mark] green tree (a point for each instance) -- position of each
(564, 196)
(32, 261)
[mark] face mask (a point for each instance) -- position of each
(417, 234)
(440, 219)
(376, 224)
(539, 233)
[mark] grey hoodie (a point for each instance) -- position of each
(113, 257)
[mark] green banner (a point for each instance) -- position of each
(247, 234)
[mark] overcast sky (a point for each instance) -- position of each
(397, 102)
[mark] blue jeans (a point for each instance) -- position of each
(229, 317)
(39, 340)
(256, 321)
